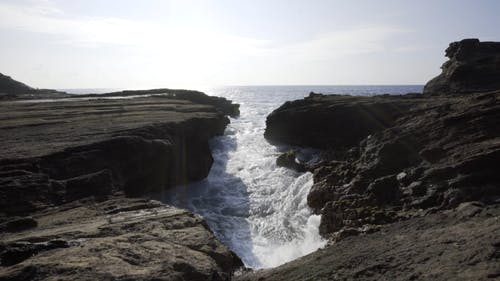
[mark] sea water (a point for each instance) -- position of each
(253, 206)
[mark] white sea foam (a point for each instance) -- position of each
(256, 208)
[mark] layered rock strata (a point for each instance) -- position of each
(68, 169)
(117, 239)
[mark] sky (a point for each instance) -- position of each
(191, 44)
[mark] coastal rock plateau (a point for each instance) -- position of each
(70, 167)
(397, 169)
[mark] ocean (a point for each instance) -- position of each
(258, 209)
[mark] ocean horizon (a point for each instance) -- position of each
(325, 89)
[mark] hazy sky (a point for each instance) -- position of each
(145, 44)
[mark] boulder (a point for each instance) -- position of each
(288, 160)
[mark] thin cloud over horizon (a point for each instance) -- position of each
(58, 44)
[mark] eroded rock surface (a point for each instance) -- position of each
(459, 244)
(473, 66)
(55, 152)
(408, 188)
(327, 121)
(67, 167)
(118, 239)
(437, 153)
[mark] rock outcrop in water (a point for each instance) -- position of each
(409, 186)
(67, 168)
(473, 66)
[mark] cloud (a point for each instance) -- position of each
(45, 17)
(182, 51)
(353, 41)
(169, 41)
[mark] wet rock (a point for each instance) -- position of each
(423, 161)
(320, 194)
(288, 160)
(419, 161)
(439, 246)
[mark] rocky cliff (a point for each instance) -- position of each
(473, 66)
(407, 183)
(68, 169)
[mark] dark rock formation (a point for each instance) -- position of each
(458, 244)
(324, 121)
(67, 167)
(473, 67)
(118, 239)
(288, 160)
(408, 188)
(438, 153)
(62, 151)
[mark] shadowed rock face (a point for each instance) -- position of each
(428, 153)
(460, 244)
(55, 152)
(401, 176)
(66, 170)
(473, 66)
(333, 121)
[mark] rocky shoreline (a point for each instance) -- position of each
(409, 186)
(70, 169)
